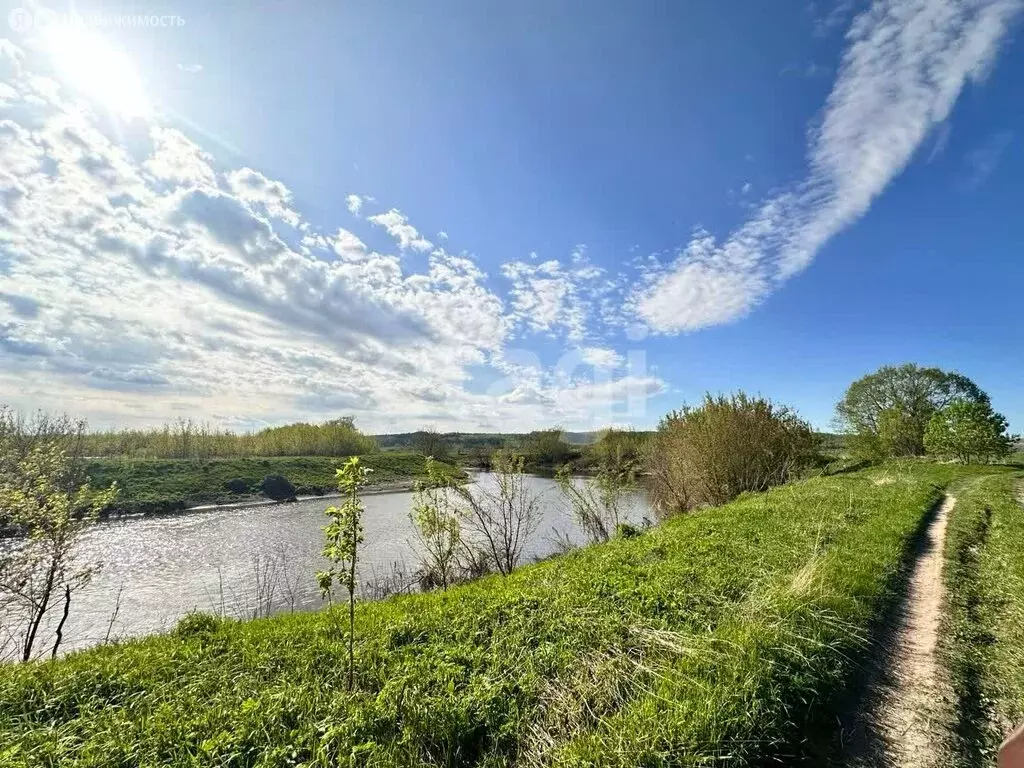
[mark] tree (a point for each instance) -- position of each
(46, 500)
(968, 430)
(886, 412)
(499, 518)
(547, 447)
(599, 503)
(343, 536)
(616, 446)
(435, 525)
(728, 445)
(430, 442)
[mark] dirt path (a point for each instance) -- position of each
(899, 718)
(910, 714)
(902, 721)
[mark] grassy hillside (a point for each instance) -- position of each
(984, 637)
(727, 635)
(158, 485)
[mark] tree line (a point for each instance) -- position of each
(188, 439)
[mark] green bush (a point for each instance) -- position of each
(196, 624)
(724, 447)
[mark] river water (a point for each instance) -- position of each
(246, 561)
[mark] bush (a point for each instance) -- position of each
(628, 531)
(728, 445)
(968, 431)
(197, 624)
(278, 488)
(237, 485)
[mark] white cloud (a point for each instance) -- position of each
(347, 245)
(190, 69)
(398, 226)
(143, 284)
(601, 357)
(545, 297)
(905, 64)
(255, 188)
(354, 203)
(178, 160)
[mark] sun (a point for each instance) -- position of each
(98, 70)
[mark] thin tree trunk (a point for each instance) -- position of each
(352, 599)
(63, 618)
(351, 635)
(30, 639)
(113, 616)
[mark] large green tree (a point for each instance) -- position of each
(886, 412)
(968, 432)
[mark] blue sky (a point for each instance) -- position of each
(505, 216)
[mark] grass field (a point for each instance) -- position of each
(161, 485)
(984, 634)
(725, 636)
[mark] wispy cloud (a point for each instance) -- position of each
(398, 226)
(833, 18)
(354, 203)
(905, 64)
(555, 298)
(601, 357)
(982, 161)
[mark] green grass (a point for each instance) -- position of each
(727, 636)
(983, 645)
(159, 485)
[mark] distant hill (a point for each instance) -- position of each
(465, 441)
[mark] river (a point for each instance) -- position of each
(245, 561)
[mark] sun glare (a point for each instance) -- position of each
(99, 71)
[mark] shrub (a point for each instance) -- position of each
(278, 488)
(966, 431)
(547, 448)
(600, 504)
(727, 445)
(237, 485)
(628, 531)
(197, 624)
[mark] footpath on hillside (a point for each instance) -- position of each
(901, 724)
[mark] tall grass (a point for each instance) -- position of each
(187, 439)
(983, 640)
(721, 637)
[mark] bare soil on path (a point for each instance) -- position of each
(903, 712)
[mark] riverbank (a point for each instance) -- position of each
(156, 486)
(729, 631)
